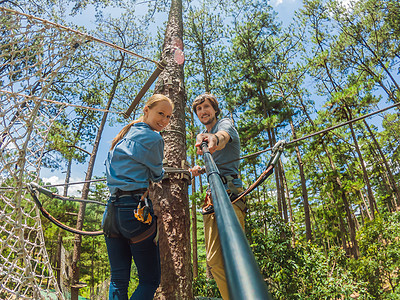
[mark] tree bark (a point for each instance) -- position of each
(69, 164)
(194, 233)
(279, 168)
(272, 141)
(291, 218)
(342, 228)
(170, 196)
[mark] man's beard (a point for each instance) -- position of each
(210, 120)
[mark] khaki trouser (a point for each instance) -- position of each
(214, 251)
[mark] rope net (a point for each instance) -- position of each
(31, 55)
(33, 52)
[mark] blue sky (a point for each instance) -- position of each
(285, 10)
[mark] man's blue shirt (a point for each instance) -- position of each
(230, 152)
(135, 159)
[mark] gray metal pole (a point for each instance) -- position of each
(243, 275)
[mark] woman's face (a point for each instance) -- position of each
(158, 116)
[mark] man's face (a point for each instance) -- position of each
(205, 112)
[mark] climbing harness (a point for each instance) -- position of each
(34, 190)
(142, 212)
(238, 198)
(208, 207)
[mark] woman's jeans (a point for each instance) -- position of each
(145, 254)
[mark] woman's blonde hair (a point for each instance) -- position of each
(152, 102)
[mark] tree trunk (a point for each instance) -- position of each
(282, 187)
(345, 204)
(58, 257)
(272, 141)
(69, 165)
(291, 219)
(371, 197)
(352, 227)
(74, 273)
(170, 196)
(208, 268)
(304, 193)
(392, 181)
(194, 232)
(67, 177)
(342, 229)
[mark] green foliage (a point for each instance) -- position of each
(271, 247)
(301, 271)
(263, 75)
(380, 257)
(205, 287)
(94, 265)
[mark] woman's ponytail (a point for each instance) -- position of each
(124, 131)
(153, 100)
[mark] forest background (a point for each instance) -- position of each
(326, 225)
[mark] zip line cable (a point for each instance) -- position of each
(343, 124)
(258, 152)
(167, 170)
(317, 133)
(277, 150)
(34, 190)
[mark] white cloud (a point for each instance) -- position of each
(345, 2)
(298, 3)
(275, 3)
(73, 189)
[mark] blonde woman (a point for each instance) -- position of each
(129, 223)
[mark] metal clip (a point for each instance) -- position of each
(279, 146)
(277, 151)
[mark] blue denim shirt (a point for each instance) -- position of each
(135, 159)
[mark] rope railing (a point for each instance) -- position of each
(243, 275)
